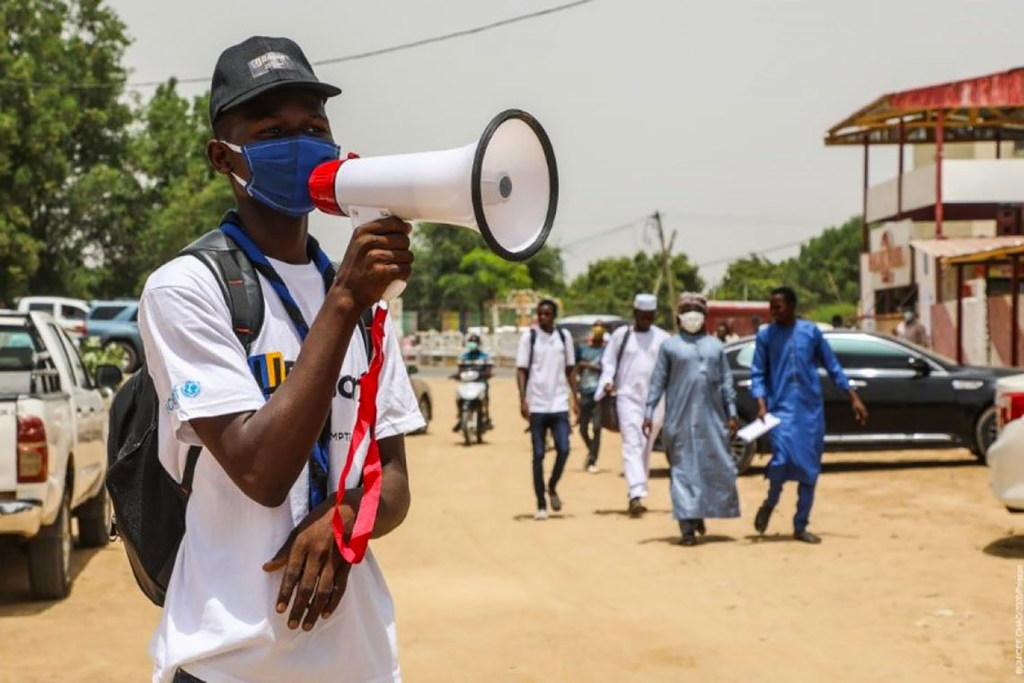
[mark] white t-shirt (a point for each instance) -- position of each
(219, 621)
(633, 378)
(546, 389)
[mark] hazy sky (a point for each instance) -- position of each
(712, 112)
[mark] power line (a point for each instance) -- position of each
(333, 60)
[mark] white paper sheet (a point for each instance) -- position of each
(757, 428)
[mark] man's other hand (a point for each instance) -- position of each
(762, 409)
(313, 568)
(734, 426)
(647, 427)
(860, 411)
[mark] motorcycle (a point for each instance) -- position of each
(470, 396)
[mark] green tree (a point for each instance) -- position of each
(609, 285)
(825, 274)
(62, 115)
(750, 279)
(440, 251)
(482, 277)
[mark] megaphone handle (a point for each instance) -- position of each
(364, 214)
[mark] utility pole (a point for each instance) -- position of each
(666, 266)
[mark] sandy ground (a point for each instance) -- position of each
(915, 579)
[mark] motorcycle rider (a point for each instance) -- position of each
(476, 358)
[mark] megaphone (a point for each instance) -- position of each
(505, 186)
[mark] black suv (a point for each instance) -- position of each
(916, 398)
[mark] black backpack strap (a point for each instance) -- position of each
(566, 341)
(618, 356)
(529, 363)
(190, 468)
(238, 282)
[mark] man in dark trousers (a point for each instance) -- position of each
(259, 560)
(547, 385)
(784, 381)
(588, 372)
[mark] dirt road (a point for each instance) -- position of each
(915, 579)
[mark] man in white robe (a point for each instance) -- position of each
(626, 369)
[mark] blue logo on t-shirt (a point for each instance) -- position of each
(190, 389)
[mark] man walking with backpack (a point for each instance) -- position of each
(547, 384)
(260, 564)
(626, 369)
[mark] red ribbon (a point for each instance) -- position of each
(366, 419)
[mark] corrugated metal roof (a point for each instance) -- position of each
(964, 249)
(979, 108)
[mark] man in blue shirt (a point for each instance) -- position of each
(784, 381)
(588, 371)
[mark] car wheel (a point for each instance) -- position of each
(742, 453)
(94, 521)
(129, 358)
(424, 404)
(49, 557)
(986, 429)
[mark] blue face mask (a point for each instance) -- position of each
(279, 171)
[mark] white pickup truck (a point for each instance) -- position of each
(53, 462)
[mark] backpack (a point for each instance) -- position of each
(609, 407)
(149, 505)
(533, 342)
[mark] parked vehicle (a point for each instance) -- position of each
(579, 326)
(1006, 454)
(916, 397)
(53, 461)
(116, 323)
(422, 392)
(69, 313)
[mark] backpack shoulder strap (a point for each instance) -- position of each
(190, 468)
(533, 343)
(238, 282)
(566, 341)
(618, 356)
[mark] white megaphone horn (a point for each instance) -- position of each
(505, 186)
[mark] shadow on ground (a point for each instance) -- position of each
(623, 512)
(881, 465)
(1011, 547)
(701, 540)
(15, 592)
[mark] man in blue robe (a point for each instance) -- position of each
(693, 375)
(784, 381)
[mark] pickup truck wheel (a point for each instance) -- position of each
(49, 557)
(129, 359)
(94, 517)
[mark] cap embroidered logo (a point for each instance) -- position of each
(268, 62)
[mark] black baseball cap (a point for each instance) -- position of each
(258, 65)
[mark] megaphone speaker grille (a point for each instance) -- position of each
(514, 185)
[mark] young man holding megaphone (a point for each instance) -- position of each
(260, 563)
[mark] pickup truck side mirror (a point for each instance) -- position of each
(919, 366)
(412, 370)
(108, 376)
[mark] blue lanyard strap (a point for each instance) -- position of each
(319, 460)
(263, 267)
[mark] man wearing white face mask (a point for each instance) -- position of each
(911, 329)
(626, 368)
(693, 376)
